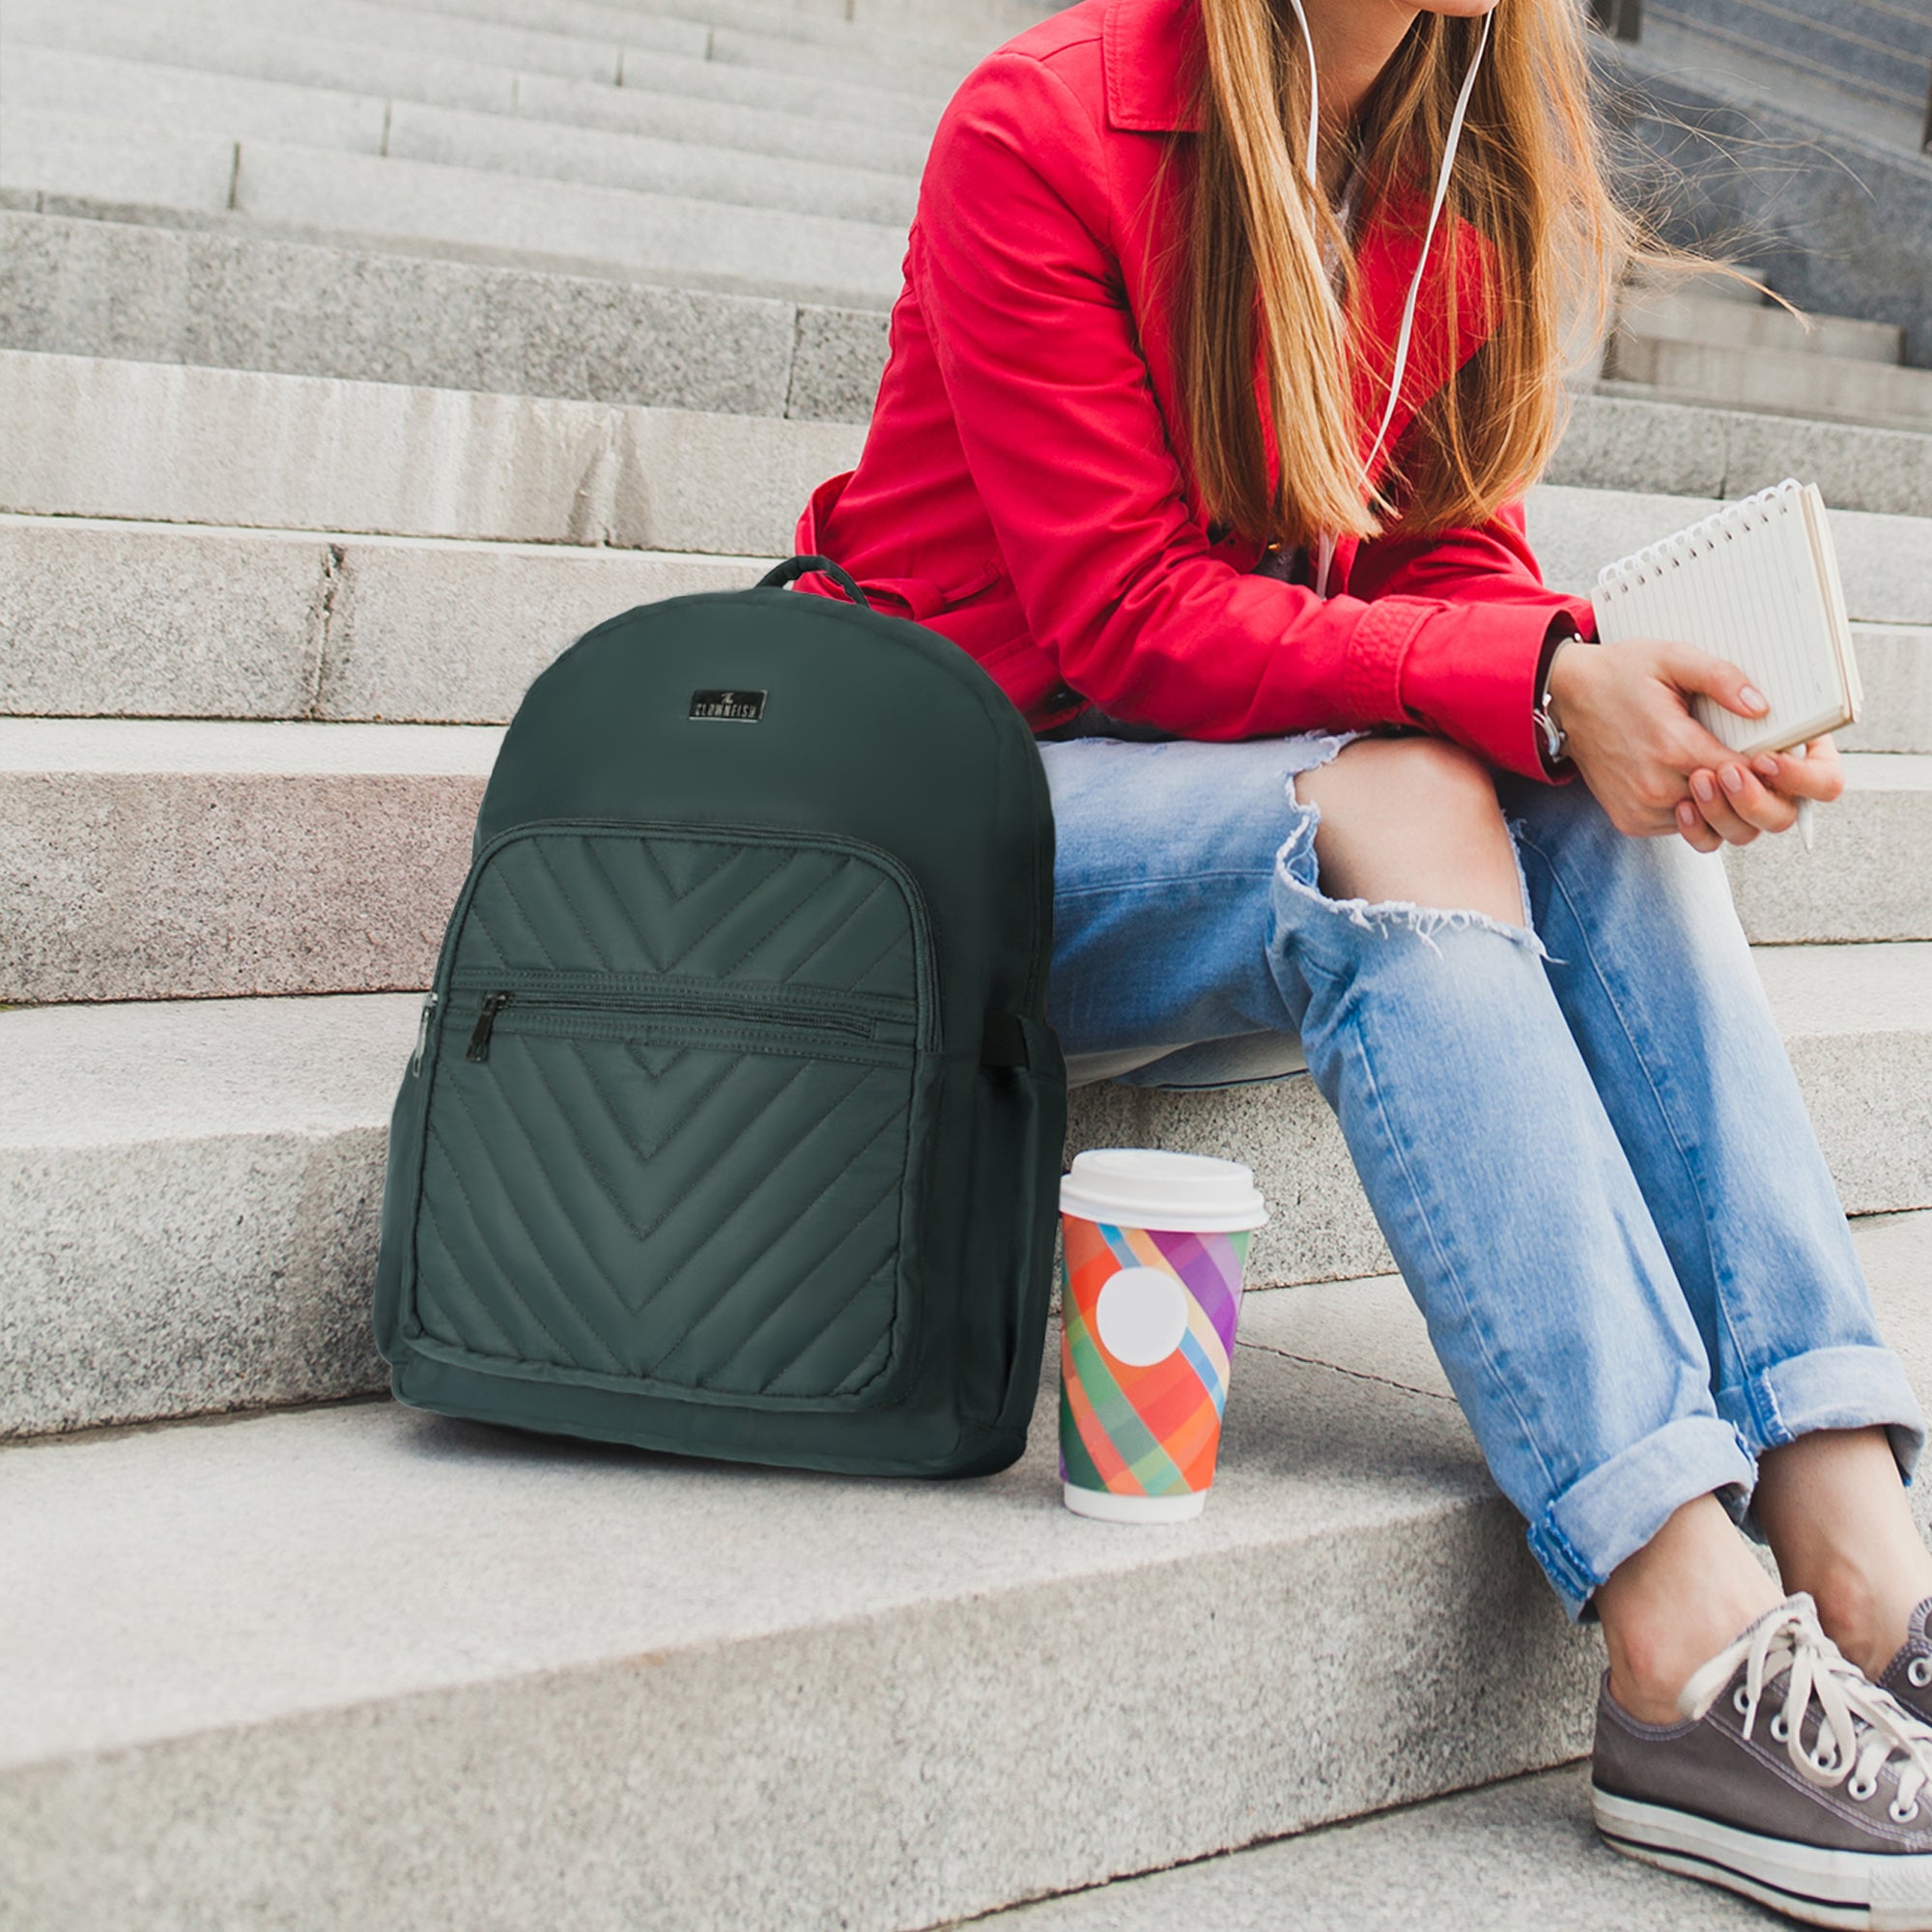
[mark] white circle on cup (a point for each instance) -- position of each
(1142, 1314)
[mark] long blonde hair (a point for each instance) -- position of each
(1528, 180)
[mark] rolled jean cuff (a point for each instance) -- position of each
(1862, 1386)
(1617, 1508)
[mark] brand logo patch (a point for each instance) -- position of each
(730, 707)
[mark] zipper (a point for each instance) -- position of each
(486, 1022)
(423, 1032)
(820, 1019)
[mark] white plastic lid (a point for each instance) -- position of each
(1141, 1188)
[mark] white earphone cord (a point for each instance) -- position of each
(1407, 330)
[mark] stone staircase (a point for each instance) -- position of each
(1716, 341)
(354, 359)
(1868, 58)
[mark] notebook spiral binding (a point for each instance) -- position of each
(1656, 561)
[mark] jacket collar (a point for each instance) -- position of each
(1151, 52)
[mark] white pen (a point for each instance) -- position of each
(1808, 809)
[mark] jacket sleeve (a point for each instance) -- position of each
(1489, 567)
(1017, 274)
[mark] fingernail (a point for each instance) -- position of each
(1734, 779)
(1753, 698)
(1765, 768)
(1701, 785)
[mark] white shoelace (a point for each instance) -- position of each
(1866, 1726)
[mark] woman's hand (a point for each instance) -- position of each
(1654, 768)
(1724, 808)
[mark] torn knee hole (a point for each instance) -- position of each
(1300, 870)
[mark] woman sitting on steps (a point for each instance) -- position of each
(1207, 437)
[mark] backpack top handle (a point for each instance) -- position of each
(802, 566)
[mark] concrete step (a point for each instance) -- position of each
(282, 185)
(1518, 1856)
(301, 858)
(1882, 48)
(1617, 439)
(364, 842)
(935, 77)
(1832, 186)
(1736, 71)
(941, 42)
(1791, 381)
(315, 1628)
(180, 99)
(214, 446)
(161, 620)
(206, 1175)
(238, 300)
(1870, 875)
(1885, 561)
(773, 1699)
(192, 621)
(656, 95)
(1688, 316)
(1895, 663)
(644, 39)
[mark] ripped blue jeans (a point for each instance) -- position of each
(1582, 1140)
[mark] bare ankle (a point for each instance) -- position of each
(1836, 1512)
(1687, 1594)
(1866, 1622)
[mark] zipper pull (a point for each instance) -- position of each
(486, 1020)
(422, 1034)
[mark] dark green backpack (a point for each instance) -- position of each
(734, 1123)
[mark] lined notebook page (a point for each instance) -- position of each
(1757, 583)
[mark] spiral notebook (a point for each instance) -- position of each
(1758, 585)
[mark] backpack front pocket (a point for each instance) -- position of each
(698, 1182)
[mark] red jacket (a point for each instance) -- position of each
(1019, 490)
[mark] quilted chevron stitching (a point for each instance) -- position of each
(649, 858)
(570, 905)
(650, 847)
(790, 1287)
(566, 1357)
(613, 1195)
(692, 1254)
(764, 1180)
(797, 968)
(897, 940)
(456, 1175)
(710, 1092)
(831, 1321)
(627, 897)
(810, 874)
(784, 920)
(593, 858)
(536, 1247)
(705, 1096)
(735, 905)
(455, 1269)
(502, 874)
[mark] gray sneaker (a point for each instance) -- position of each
(1909, 1674)
(1793, 1778)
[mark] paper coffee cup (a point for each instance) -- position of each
(1154, 1247)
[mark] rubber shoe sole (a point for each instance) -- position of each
(1886, 1892)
